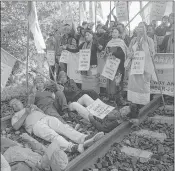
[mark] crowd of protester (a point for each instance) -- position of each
(44, 115)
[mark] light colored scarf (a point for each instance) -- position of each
(87, 45)
(147, 44)
(120, 43)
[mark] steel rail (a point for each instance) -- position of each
(100, 148)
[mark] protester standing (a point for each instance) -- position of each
(118, 49)
(139, 84)
(163, 28)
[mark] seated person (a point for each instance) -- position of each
(49, 128)
(26, 159)
(50, 103)
(71, 91)
(111, 121)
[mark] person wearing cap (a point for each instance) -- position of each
(53, 104)
(163, 27)
(71, 91)
(90, 43)
(49, 128)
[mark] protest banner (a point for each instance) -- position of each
(111, 67)
(164, 64)
(7, 64)
(51, 57)
(121, 10)
(157, 10)
(99, 109)
(72, 68)
(138, 62)
(84, 60)
(64, 56)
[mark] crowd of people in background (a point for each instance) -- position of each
(114, 41)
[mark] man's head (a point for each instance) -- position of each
(84, 24)
(62, 77)
(39, 82)
(115, 33)
(165, 20)
(171, 18)
(154, 23)
(150, 30)
(130, 111)
(100, 29)
(16, 105)
(121, 28)
(67, 29)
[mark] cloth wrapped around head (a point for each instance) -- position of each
(13, 101)
(38, 78)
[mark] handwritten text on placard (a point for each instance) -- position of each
(137, 66)
(84, 60)
(64, 56)
(51, 57)
(111, 67)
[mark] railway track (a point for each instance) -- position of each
(101, 156)
(86, 160)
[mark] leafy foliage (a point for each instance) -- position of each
(14, 29)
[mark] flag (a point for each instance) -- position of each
(34, 27)
(7, 64)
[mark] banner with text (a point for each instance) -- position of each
(99, 109)
(84, 60)
(7, 64)
(122, 10)
(164, 65)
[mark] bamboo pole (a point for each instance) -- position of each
(95, 14)
(27, 63)
(110, 11)
(138, 13)
(128, 18)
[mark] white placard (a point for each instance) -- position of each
(84, 60)
(121, 10)
(138, 62)
(51, 57)
(111, 67)
(99, 109)
(64, 56)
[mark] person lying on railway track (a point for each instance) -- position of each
(71, 91)
(111, 121)
(53, 104)
(49, 128)
(26, 159)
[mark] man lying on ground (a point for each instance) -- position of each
(111, 121)
(50, 103)
(26, 159)
(71, 91)
(49, 128)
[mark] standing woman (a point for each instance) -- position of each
(118, 49)
(139, 84)
(89, 43)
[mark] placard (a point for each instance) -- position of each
(157, 10)
(84, 60)
(64, 56)
(121, 10)
(138, 62)
(51, 57)
(99, 109)
(111, 67)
